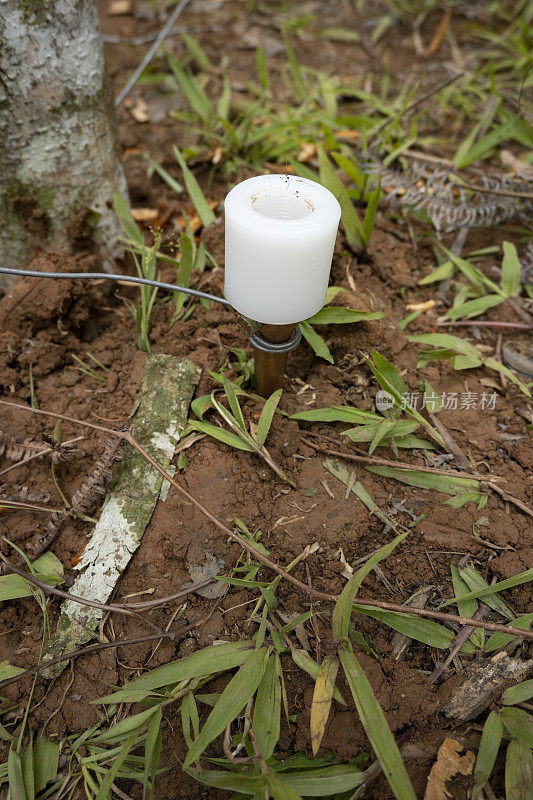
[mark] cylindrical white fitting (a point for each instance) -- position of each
(280, 235)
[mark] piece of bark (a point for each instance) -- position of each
(59, 146)
(484, 684)
(159, 417)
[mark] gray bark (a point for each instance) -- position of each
(58, 143)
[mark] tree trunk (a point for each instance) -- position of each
(58, 142)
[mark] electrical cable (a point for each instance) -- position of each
(111, 276)
(255, 339)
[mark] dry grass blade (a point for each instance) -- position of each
(322, 699)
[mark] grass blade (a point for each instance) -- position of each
(105, 786)
(265, 420)
(203, 209)
(209, 660)
(226, 437)
(488, 750)
(315, 341)
(370, 214)
(46, 760)
(519, 724)
(236, 694)
(267, 708)
(518, 771)
(520, 693)
(486, 590)
(339, 315)
(351, 222)
(476, 582)
(377, 730)
(126, 220)
(441, 483)
(343, 607)
(422, 630)
(14, 773)
(510, 270)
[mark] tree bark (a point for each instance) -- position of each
(58, 142)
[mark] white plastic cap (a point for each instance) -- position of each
(280, 235)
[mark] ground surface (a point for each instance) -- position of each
(76, 319)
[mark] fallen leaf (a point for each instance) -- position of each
(516, 164)
(119, 7)
(200, 572)
(195, 222)
(348, 135)
(449, 763)
(307, 151)
(139, 111)
(421, 306)
(144, 214)
(322, 697)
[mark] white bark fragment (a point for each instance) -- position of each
(161, 411)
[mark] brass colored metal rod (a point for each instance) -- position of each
(270, 367)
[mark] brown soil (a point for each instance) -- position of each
(43, 323)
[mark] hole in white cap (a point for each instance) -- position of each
(280, 205)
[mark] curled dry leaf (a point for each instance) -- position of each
(452, 760)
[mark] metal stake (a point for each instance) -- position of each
(270, 366)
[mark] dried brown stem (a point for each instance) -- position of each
(386, 462)
(482, 323)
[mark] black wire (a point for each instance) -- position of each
(256, 339)
(106, 276)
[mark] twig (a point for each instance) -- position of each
(309, 590)
(503, 192)
(94, 648)
(386, 462)
(38, 455)
(449, 441)
(481, 323)
(48, 589)
(165, 30)
(510, 498)
(64, 417)
(421, 100)
(459, 641)
(164, 600)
